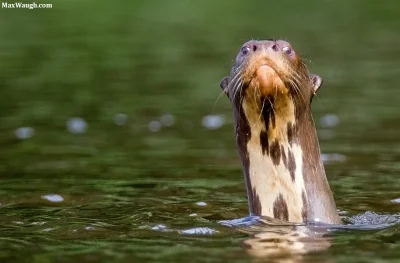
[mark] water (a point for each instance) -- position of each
(123, 181)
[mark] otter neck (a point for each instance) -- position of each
(281, 159)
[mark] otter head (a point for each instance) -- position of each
(271, 91)
(270, 67)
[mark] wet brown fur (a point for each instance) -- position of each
(279, 115)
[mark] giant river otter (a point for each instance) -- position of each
(271, 91)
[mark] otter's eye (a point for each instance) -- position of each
(245, 50)
(287, 50)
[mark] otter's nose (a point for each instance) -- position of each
(272, 45)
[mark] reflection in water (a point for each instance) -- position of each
(283, 242)
(286, 245)
(278, 241)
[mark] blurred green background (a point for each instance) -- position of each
(113, 107)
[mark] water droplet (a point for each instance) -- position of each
(41, 223)
(24, 133)
(329, 120)
(342, 213)
(201, 203)
(53, 198)
(213, 122)
(332, 157)
(120, 119)
(76, 125)
(167, 120)
(199, 231)
(154, 126)
(159, 227)
(326, 134)
(397, 200)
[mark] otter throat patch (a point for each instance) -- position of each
(275, 162)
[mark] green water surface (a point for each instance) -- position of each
(145, 59)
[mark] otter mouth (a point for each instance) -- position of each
(267, 80)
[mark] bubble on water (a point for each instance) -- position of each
(397, 200)
(332, 157)
(76, 125)
(41, 223)
(160, 227)
(167, 120)
(53, 198)
(342, 212)
(24, 133)
(329, 120)
(154, 126)
(372, 218)
(213, 122)
(326, 134)
(120, 119)
(244, 221)
(201, 203)
(199, 231)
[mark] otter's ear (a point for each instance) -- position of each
(316, 82)
(224, 84)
